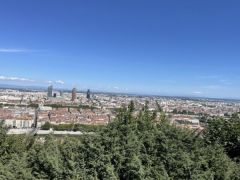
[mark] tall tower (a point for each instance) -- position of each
(61, 93)
(74, 94)
(88, 94)
(50, 91)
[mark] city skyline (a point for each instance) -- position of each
(160, 48)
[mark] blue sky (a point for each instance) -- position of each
(189, 48)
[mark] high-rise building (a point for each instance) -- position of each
(74, 94)
(55, 95)
(61, 93)
(50, 91)
(88, 94)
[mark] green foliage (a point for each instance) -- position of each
(225, 132)
(45, 160)
(160, 109)
(18, 105)
(46, 126)
(175, 111)
(131, 147)
(56, 106)
(15, 168)
(72, 127)
(2, 133)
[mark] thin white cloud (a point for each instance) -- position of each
(59, 82)
(21, 79)
(55, 82)
(197, 92)
(13, 50)
(5, 78)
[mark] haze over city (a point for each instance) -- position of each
(183, 48)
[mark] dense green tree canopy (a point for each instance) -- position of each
(225, 132)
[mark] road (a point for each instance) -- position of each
(42, 132)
